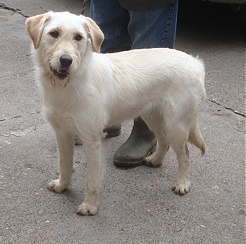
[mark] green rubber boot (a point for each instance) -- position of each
(139, 144)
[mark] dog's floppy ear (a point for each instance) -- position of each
(35, 26)
(94, 33)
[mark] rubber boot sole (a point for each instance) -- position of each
(134, 162)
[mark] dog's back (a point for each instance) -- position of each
(137, 80)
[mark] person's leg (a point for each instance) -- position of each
(147, 30)
(113, 21)
(154, 29)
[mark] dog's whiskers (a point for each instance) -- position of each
(66, 83)
(53, 83)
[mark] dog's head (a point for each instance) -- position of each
(61, 40)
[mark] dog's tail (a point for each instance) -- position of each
(196, 138)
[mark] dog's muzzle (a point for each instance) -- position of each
(65, 63)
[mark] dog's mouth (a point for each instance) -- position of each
(61, 73)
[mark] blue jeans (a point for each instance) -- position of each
(126, 30)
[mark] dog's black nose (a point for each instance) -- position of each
(66, 60)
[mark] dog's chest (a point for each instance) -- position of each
(61, 119)
(61, 111)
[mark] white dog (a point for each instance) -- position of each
(85, 91)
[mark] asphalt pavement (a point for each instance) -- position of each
(137, 205)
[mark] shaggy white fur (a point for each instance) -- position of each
(85, 91)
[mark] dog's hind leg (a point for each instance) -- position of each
(65, 143)
(178, 139)
(195, 137)
(155, 123)
(93, 153)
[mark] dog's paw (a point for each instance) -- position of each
(148, 161)
(57, 186)
(87, 209)
(182, 188)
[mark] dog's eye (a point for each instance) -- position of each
(54, 34)
(78, 37)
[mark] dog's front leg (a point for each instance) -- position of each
(93, 153)
(65, 143)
